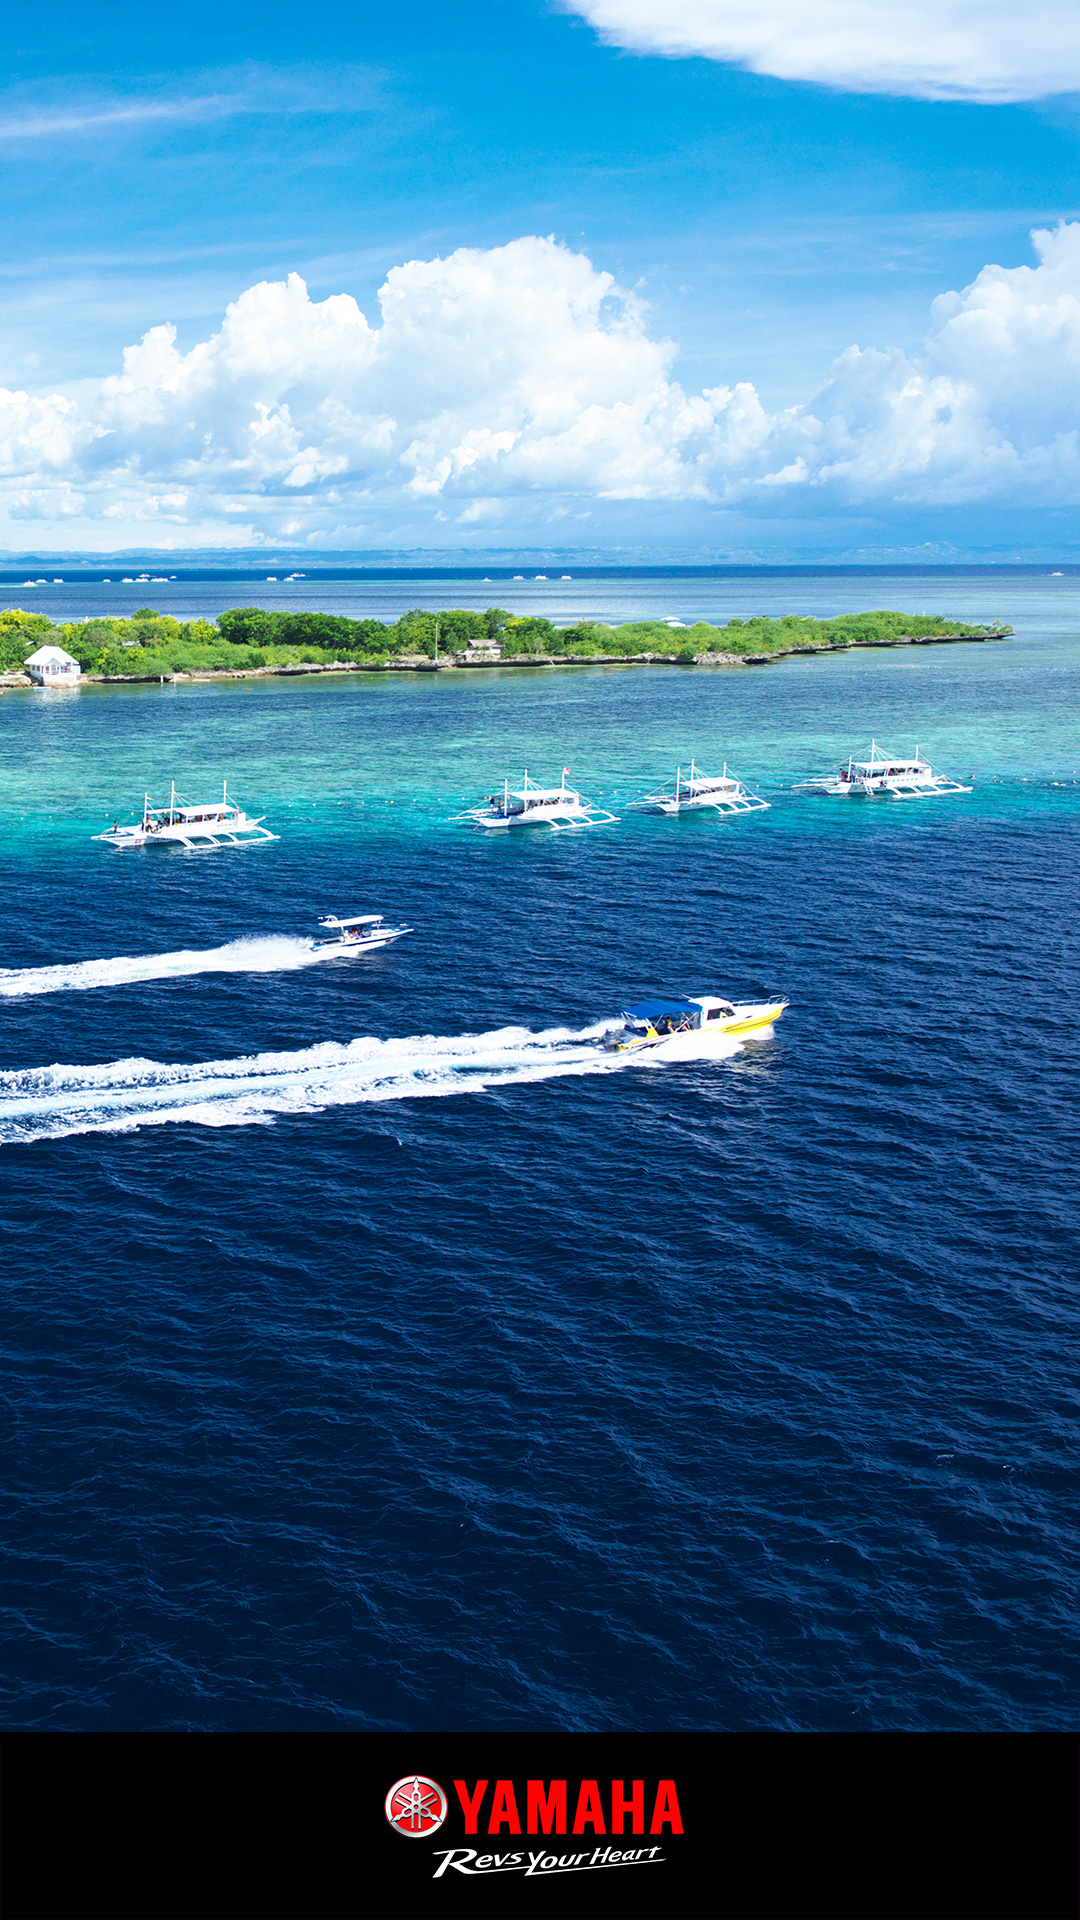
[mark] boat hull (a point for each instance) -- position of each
(567, 817)
(699, 1042)
(353, 947)
(889, 790)
(191, 839)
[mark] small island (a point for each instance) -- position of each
(251, 640)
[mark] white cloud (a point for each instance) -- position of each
(66, 108)
(91, 118)
(513, 387)
(988, 50)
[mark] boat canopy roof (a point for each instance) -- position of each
(542, 793)
(660, 1009)
(357, 920)
(890, 762)
(195, 810)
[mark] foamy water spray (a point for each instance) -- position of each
(275, 953)
(44, 1103)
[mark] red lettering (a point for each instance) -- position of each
(666, 1808)
(546, 1808)
(504, 1807)
(470, 1808)
(589, 1808)
(635, 1805)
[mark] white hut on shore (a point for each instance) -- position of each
(52, 667)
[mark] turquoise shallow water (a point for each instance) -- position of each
(1004, 711)
(371, 1361)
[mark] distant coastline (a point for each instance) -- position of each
(250, 642)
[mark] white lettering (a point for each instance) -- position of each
(464, 1860)
(449, 1860)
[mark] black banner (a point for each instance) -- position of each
(679, 1826)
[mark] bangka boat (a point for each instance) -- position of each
(532, 806)
(361, 933)
(879, 772)
(689, 1027)
(693, 791)
(207, 823)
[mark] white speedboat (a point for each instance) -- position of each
(207, 823)
(878, 773)
(532, 806)
(694, 791)
(362, 933)
(687, 1028)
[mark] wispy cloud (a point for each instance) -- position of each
(41, 125)
(68, 108)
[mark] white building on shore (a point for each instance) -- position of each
(52, 667)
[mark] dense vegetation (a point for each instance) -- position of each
(152, 643)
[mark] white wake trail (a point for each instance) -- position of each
(273, 953)
(50, 1102)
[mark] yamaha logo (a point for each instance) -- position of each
(416, 1806)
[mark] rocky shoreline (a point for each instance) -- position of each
(422, 663)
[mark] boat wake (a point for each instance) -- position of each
(47, 1103)
(274, 953)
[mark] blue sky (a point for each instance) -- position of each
(160, 165)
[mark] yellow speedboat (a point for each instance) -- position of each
(688, 1028)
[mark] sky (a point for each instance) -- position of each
(721, 278)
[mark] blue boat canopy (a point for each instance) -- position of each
(659, 1009)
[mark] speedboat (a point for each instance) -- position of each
(883, 773)
(687, 1028)
(362, 933)
(531, 806)
(207, 823)
(723, 792)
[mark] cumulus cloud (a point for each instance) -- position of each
(986, 50)
(520, 384)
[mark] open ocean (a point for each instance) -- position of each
(377, 1355)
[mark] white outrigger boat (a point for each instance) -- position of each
(531, 806)
(884, 773)
(686, 1028)
(693, 791)
(209, 823)
(362, 933)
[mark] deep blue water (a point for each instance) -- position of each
(429, 1385)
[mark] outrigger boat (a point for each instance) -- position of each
(884, 773)
(210, 823)
(723, 792)
(363, 933)
(686, 1028)
(530, 806)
